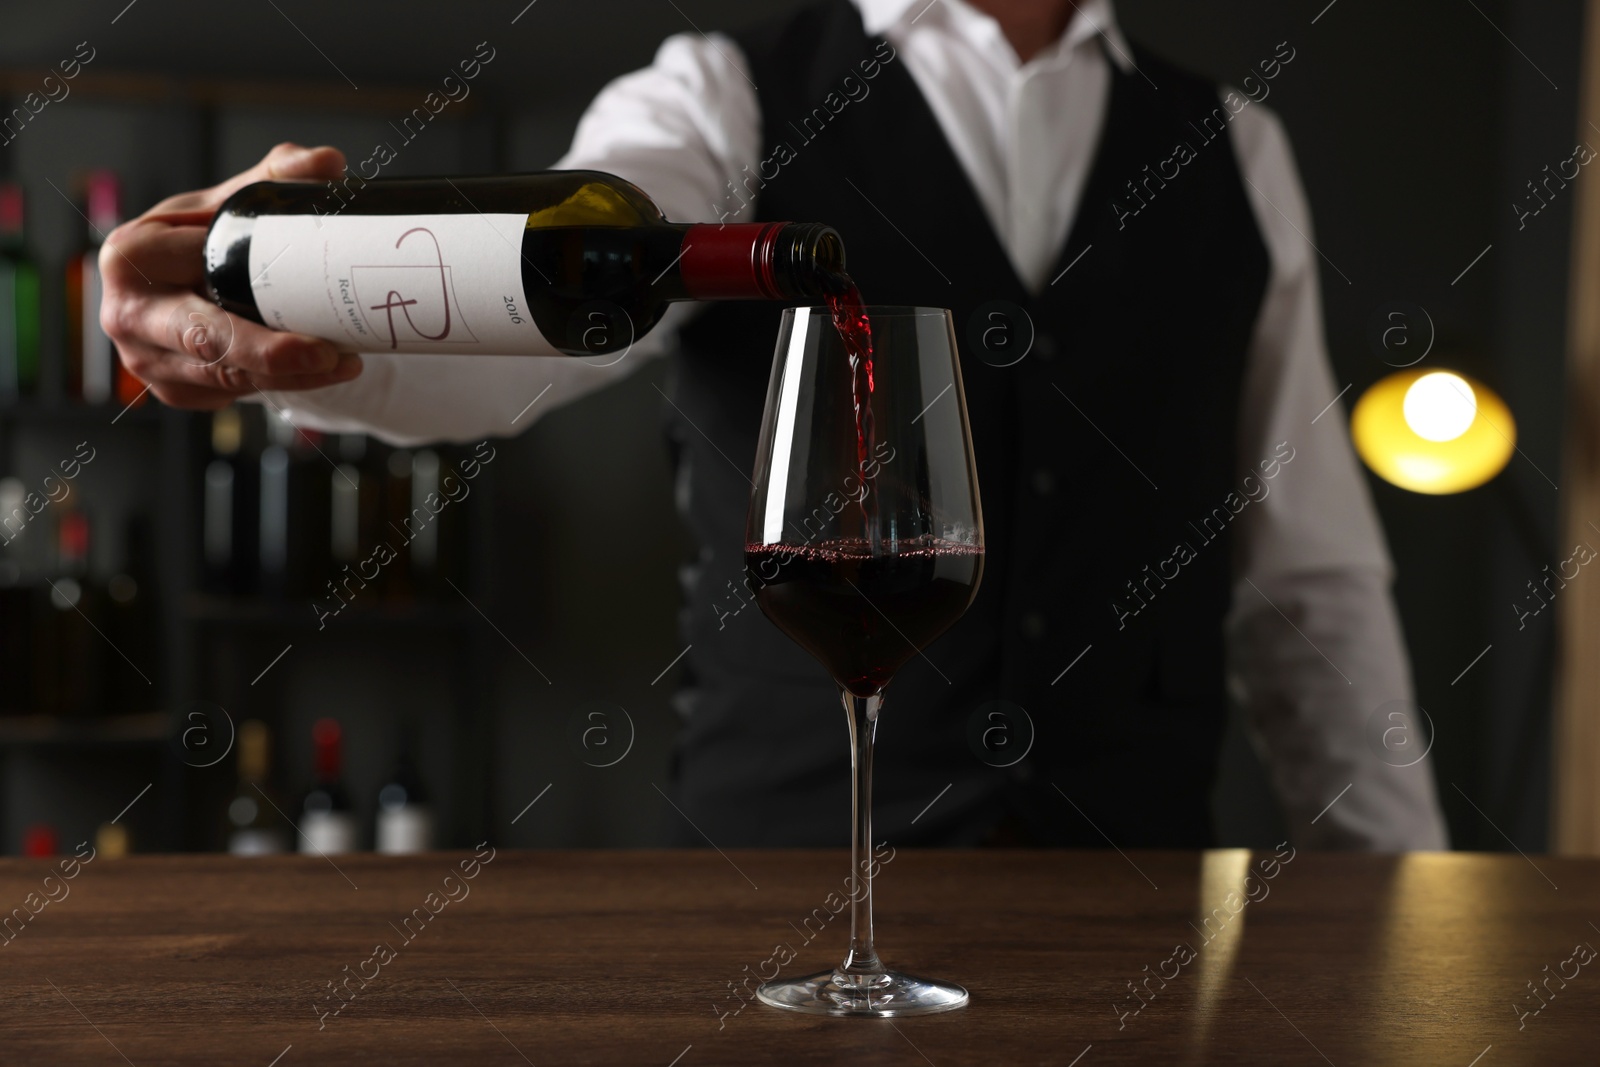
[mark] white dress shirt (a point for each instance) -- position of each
(1314, 640)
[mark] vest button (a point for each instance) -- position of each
(1044, 483)
(1033, 626)
(1044, 346)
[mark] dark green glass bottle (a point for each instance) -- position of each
(19, 300)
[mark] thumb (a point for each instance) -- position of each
(286, 162)
(291, 162)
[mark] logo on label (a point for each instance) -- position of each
(411, 302)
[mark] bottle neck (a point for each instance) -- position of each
(254, 753)
(11, 235)
(104, 207)
(72, 543)
(328, 759)
(758, 261)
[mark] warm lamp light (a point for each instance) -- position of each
(1433, 431)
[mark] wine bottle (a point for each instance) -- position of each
(405, 818)
(294, 511)
(422, 526)
(396, 499)
(230, 505)
(327, 824)
(274, 511)
(254, 826)
(18, 635)
(578, 260)
(19, 300)
(131, 623)
(91, 357)
(71, 662)
(219, 503)
(353, 505)
(40, 840)
(112, 841)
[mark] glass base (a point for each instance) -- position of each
(879, 995)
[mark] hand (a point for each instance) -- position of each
(190, 352)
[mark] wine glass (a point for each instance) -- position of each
(864, 543)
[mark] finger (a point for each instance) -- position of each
(286, 162)
(191, 334)
(193, 397)
(349, 369)
(163, 370)
(160, 369)
(146, 252)
(158, 366)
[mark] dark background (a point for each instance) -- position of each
(1416, 127)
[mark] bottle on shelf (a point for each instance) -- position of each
(19, 628)
(94, 373)
(71, 665)
(578, 260)
(422, 526)
(294, 512)
(353, 509)
(40, 840)
(405, 818)
(327, 823)
(217, 502)
(132, 624)
(254, 825)
(396, 502)
(229, 509)
(28, 553)
(16, 640)
(112, 841)
(19, 300)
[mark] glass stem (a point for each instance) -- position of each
(861, 963)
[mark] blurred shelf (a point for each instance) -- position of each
(141, 729)
(146, 88)
(297, 614)
(36, 410)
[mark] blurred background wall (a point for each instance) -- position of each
(1416, 127)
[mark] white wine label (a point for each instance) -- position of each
(99, 357)
(405, 830)
(327, 833)
(397, 283)
(252, 842)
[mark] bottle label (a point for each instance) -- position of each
(98, 355)
(253, 842)
(396, 283)
(405, 830)
(327, 832)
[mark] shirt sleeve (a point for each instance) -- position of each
(1316, 654)
(680, 129)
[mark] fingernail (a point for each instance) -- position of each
(349, 367)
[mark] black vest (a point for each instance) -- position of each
(1112, 442)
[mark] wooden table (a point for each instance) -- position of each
(628, 957)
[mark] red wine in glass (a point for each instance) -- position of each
(864, 543)
(863, 615)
